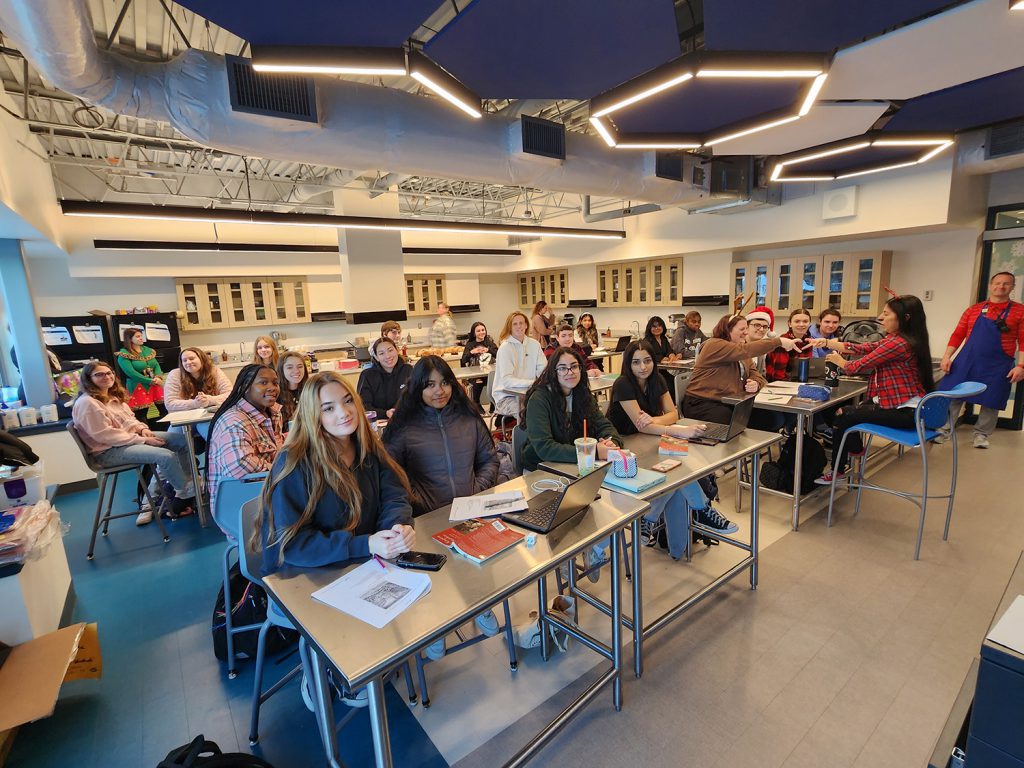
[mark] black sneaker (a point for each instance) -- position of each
(713, 519)
(649, 530)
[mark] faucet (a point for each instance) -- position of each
(636, 333)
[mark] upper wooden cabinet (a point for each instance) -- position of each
(209, 303)
(654, 283)
(422, 293)
(855, 282)
(798, 283)
(753, 280)
(548, 285)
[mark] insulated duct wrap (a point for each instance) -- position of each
(362, 127)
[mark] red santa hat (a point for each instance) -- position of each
(765, 314)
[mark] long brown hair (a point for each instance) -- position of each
(506, 329)
(116, 389)
(256, 355)
(126, 340)
(288, 399)
(205, 382)
(723, 328)
(317, 455)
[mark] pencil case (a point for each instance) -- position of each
(813, 392)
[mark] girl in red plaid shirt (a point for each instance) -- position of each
(901, 373)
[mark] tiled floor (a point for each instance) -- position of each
(848, 654)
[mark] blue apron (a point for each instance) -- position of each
(983, 359)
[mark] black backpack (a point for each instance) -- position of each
(206, 754)
(248, 606)
(778, 475)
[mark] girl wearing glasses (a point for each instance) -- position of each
(114, 436)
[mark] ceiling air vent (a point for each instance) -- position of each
(274, 95)
(516, 240)
(1006, 139)
(669, 165)
(543, 137)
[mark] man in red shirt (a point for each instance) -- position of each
(990, 337)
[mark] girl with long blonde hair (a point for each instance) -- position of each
(333, 493)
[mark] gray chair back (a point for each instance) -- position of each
(519, 439)
(681, 382)
(250, 558)
(231, 494)
(90, 460)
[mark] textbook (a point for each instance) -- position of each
(478, 540)
(673, 446)
(644, 479)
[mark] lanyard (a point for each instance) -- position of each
(1002, 315)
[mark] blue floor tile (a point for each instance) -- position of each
(162, 684)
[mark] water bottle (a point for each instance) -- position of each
(803, 369)
(831, 375)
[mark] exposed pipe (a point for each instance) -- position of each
(361, 126)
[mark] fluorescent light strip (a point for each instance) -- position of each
(747, 73)
(1017, 6)
(446, 94)
(812, 94)
(328, 69)
(877, 170)
(755, 129)
(828, 153)
(807, 178)
(644, 94)
(605, 133)
(908, 142)
(935, 152)
(655, 145)
(142, 212)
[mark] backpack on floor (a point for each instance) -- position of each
(779, 475)
(248, 606)
(206, 754)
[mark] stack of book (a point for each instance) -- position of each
(673, 446)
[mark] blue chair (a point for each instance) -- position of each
(231, 495)
(932, 412)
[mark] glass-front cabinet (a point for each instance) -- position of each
(798, 284)
(550, 285)
(859, 282)
(752, 284)
(209, 303)
(423, 292)
(654, 283)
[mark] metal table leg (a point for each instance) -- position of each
(379, 723)
(798, 469)
(617, 618)
(638, 609)
(196, 483)
(324, 710)
(755, 516)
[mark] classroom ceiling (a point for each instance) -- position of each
(541, 58)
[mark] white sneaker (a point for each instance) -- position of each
(980, 441)
(436, 650)
(487, 623)
(145, 517)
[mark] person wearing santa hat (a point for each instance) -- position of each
(760, 323)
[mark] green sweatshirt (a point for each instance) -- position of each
(549, 438)
(139, 369)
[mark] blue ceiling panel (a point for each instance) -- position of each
(317, 22)
(707, 104)
(971, 105)
(869, 157)
(805, 25)
(570, 49)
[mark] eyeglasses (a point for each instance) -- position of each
(564, 369)
(762, 326)
(103, 375)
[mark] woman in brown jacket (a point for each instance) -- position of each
(724, 368)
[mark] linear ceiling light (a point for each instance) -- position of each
(748, 131)
(602, 129)
(444, 85)
(934, 144)
(879, 169)
(812, 93)
(759, 73)
(667, 144)
(327, 60)
(1017, 5)
(646, 93)
(234, 216)
(170, 245)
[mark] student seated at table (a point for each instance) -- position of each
(381, 384)
(827, 327)
(333, 493)
(391, 329)
(688, 336)
(197, 383)
(640, 403)
(587, 336)
(563, 338)
(292, 376)
(901, 374)
(557, 406)
(478, 343)
(780, 364)
(114, 436)
(519, 362)
(654, 335)
(245, 433)
(724, 368)
(439, 438)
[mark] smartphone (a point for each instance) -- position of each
(424, 561)
(666, 465)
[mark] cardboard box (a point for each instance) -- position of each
(32, 673)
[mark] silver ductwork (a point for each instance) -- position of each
(361, 126)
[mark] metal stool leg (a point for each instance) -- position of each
(625, 557)
(407, 673)
(113, 493)
(510, 638)
(924, 501)
(102, 480)
(421, 674)
(228, 623)
(952, 489)
(257, 685)
(157, 518)
(863, 471)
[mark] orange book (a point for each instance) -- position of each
(477, 539)
(673, 446)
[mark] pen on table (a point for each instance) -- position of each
(380, 562)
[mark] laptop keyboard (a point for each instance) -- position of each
(717, 431)
(542, 515)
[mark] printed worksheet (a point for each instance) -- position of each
(375, 592)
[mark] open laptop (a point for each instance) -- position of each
(623, 343)
(723, 433)
(550, 509)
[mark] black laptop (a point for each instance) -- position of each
(549, 509)
(723, 433)
(623, 343)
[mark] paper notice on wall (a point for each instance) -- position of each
(56, 336)
(88, 334)
(157, 332)
(121, 328)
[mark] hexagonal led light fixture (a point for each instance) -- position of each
(874, 152)
(808, 68)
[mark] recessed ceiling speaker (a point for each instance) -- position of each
(839, 203)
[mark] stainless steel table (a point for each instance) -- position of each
(701, 460)
(187, 424)
(361, 655)
(598, 385)
(804, 410)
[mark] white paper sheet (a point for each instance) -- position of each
(1009, 630)
(157, 332)
(782, 387)
(57, 336)
(468, 507)
(88, 334)
(773, 398)
(187, 417)
(373, 593)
